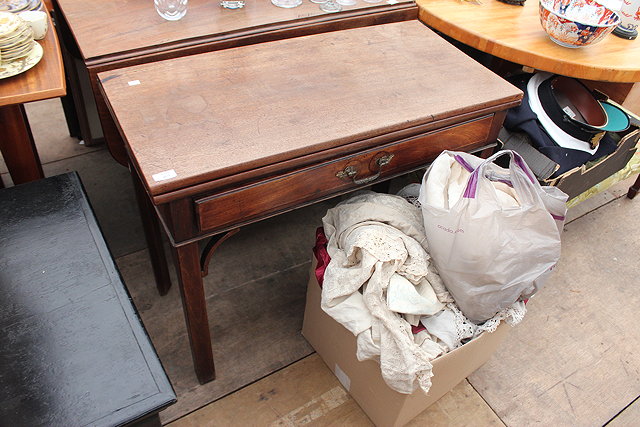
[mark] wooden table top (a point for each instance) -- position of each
(514, 33)
(221, 113)
(45, 80)
(124, 28)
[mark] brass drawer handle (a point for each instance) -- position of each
(352, 171)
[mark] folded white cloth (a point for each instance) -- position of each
(374, 239)
(408, 298)
(448, 174)
(446, 327)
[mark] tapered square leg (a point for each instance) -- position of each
(187, 259)
(633, 190)
(153, 236)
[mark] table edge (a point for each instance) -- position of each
(198, 42)
(57, 89)
(533, 60)
(162, 195)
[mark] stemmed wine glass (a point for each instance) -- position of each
(232, 4)
(328, 5)
(287, 3)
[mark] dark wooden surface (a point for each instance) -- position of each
(187, 260)
(245, 108)
(633, 190)
(292, 189)
(105, 29)
(153, 236)
(73, 349)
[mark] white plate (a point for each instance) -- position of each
(14, 5)
(35, 5)
(9, 24)
(13, 68)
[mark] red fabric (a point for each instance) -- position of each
(321, 254)
(416, 329)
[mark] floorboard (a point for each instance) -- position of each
(574, 359)
(307, 392)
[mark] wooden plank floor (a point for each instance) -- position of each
(255, 294)
(573, 361)
(307, 392)
(630, 416)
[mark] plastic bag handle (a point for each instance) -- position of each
(463, 163)
(472, 184)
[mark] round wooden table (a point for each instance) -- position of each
(514, 33)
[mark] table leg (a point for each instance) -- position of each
(153, 236)
(195, 310)
(633, 190)
(17, 146)
(70, 114)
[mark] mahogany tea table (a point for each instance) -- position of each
(227, 138)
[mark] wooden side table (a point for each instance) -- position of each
(514, 33)
(74, 351)
(227, 138)
(45, 80)
(105, 35)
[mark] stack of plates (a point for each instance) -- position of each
(16, 6)
(16, 38)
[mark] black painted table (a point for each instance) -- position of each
(73, 350)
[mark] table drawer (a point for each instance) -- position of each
(315, 182)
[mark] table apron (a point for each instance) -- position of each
(219, 211)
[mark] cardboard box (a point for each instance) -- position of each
(384, 406)
(578, 180)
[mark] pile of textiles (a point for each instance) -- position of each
(381, 285)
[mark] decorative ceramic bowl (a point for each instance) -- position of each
(576, 23)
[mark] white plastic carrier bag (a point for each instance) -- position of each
(493, 233)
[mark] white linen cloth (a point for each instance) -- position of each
(374, 240)
(452, 329)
